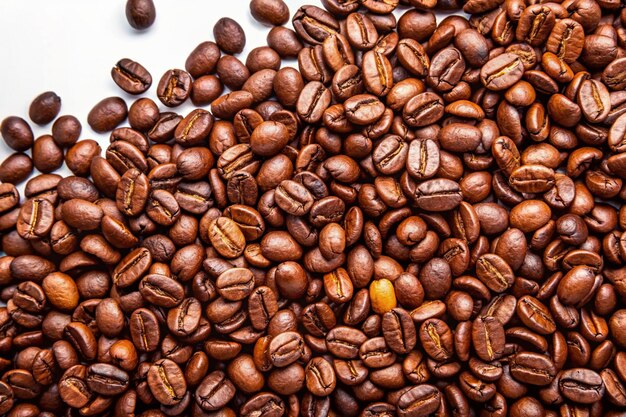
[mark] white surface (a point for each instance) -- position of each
(69, 47)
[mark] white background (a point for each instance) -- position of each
(69, 47)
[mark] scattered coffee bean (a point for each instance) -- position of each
(140, 13)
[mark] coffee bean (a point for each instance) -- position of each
(174, 87)
(229, 36)
(106, 379)
(488, 338)
(215, 391)
(167, 382)
(420, 400)
(35, 218)
(66, 130)
(107, 114)
(140, 13)
(320, 377)
(437, 195)
(131, 76)
(144, 330)
(44, 108)
(17, 133)
(501, 72)
(73, 388)
(581, 385)
(313, 24)
(532, 368)
(399, 331)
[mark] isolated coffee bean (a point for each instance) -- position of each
(140, 13)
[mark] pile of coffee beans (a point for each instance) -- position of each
(422, 219)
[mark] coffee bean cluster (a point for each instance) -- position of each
(422, 219)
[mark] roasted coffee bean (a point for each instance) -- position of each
(320, 377)
(502, 72)
(140, 13)
(44, 108)
(131, 76)
(167, 382)
(107, 114)
(399, 331)
(215, 391)
(144, 330)
(229, 36)
(132, 192)
(437, 195)
(270, 12)
(314, 24)
(106, 379)
(532, 368)
(436, 338)
(420, 400)
(488, 338)
(36, 217)
(494, 272)
(581, 385)
(174, 87)
(16, 133)
(161, 290)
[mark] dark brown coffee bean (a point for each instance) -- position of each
(270, 12)
(167, 382)
(131, 76)
(106, 379)
(446, 68)
(494, 272)
(229, 35)
(35, 219)
(235, 284)
(174, 87)
(344, 342)
(314, 24)
(502, 72)
(17, 133)
(215, 391)
(320, 377)
(132, 267)
(44, 108)
(438, 195)
(132, 192)
(144, 330)
(399, 331)
(581, 385)
(313, 100)
(535, 24)
(413, 57)
(566, 40)
(488, 338)
(436, 338)
(226, 237)
(532, 368)
(420, 400)
(73, 388)
(16, 168)
(140, 13)
(107, 114)
(161, 290)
